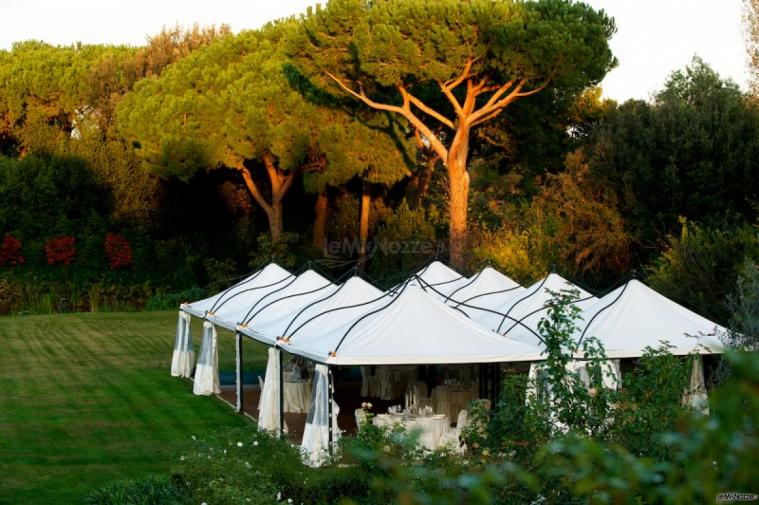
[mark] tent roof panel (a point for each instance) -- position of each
(634, 316)
(412, 328)
(244, 293)
(483, 289)
(314, 310)
(305, 288)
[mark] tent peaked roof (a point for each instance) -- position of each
(244, 293)
(411, 328)
(319, 310)
(438, 279)
(519, 315)
(285, 294)
(634, 316)
(438, 272)
(481, 289)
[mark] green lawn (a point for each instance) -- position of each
(88, 398)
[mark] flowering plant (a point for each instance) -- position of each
(118, 250)
(10, 252)
(60, 250)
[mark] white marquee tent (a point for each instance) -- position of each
(436, 316)
(438, 278)
(518, 315)
(486, 288)
(635, 316)
(410, 328)
(352, 299)
(266, 320)
(241, 295)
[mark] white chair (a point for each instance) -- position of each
(453, 437)
(361, 418)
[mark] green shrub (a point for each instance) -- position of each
(147, 491)
(168, 301)
(700, 268)
(744, 309)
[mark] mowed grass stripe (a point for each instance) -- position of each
(87, 398)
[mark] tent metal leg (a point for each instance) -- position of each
(281, 396)
(238, 377)
(330, 389)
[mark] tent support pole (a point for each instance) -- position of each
(481, 379)
(281, 396)
(238, 377)
(330, 389)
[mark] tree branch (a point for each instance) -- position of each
(452, 84)
(426, 109)
(253, 189)
(487, 117)
(362, 96)
(405, 111)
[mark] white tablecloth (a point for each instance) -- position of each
(296, 397)
(449, 400)
(432, 427)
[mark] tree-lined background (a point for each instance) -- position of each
(135, 177)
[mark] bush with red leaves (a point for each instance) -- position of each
(10, 252)
(118, 250)
(60, 250)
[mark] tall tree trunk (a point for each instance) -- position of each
(458, 181)
(320, 221)
(424, 179)
(496, 96)
(363, 229)
(280, 183)
(275, 221)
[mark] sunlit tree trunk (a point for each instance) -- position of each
(363, 229)
(320, 221)
(468, 115)
(279, 182)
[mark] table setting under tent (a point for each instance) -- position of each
(420, 352)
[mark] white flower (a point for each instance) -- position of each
(204, 503)
(369, 405)
(193, 437)
(239, 444)
(279, 495)
(255, 442)
(289, 500)
(363, 405)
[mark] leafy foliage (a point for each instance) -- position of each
(147, 491)
(689, 153)
(700, 268)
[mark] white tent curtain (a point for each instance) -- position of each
(268, 405)
(612, 376)
(610, 369)
(184, 356)
(695, 396)
(207, 371)
(315, 446)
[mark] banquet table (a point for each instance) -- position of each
(296, 396)
(432, 427)
(449, 399)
